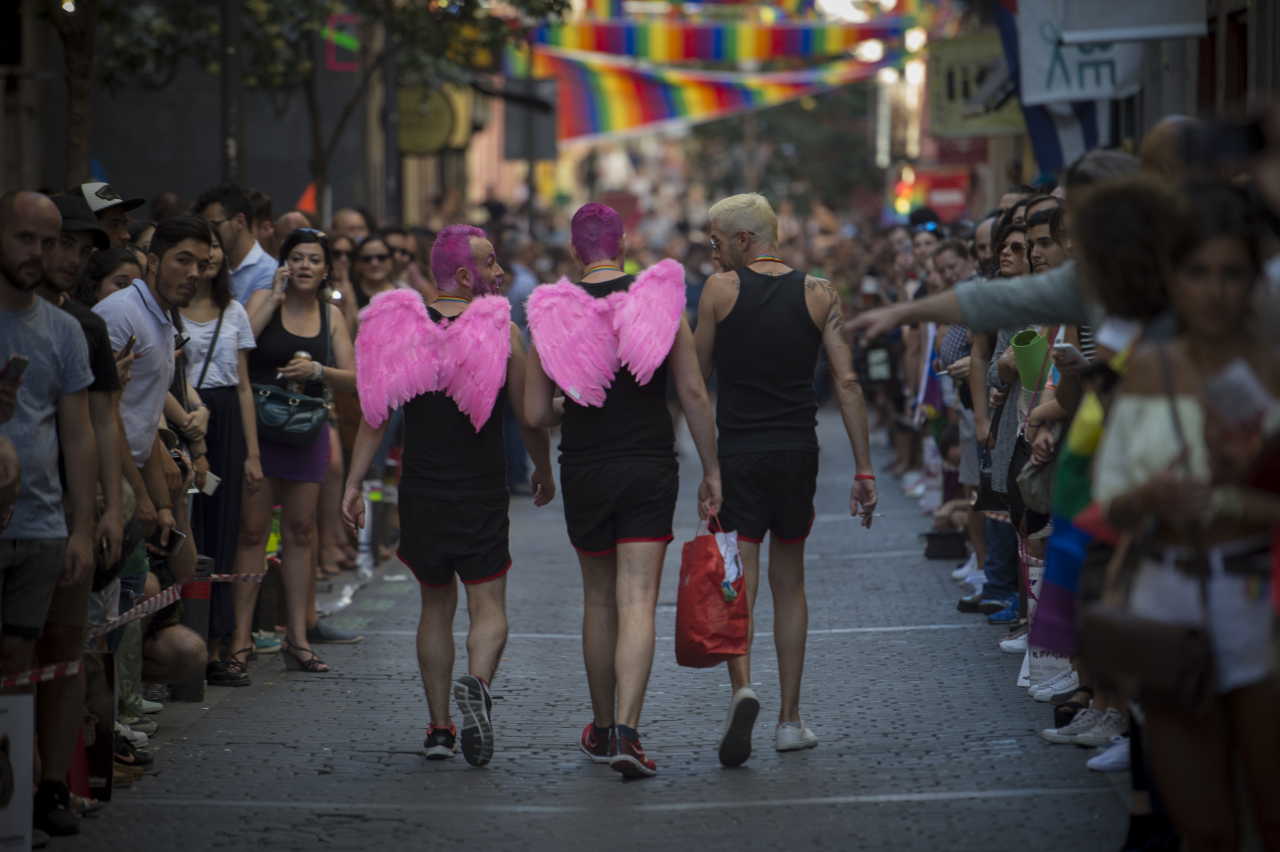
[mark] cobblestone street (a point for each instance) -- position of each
(925, 742)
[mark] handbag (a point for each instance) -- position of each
(1166, 665)
(1023, 516)
(290, 417)
(711, 613)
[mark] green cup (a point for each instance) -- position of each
(1031, 352)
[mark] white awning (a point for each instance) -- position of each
(1093, 21)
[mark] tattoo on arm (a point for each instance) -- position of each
(836, 321)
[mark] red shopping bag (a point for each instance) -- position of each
(709, 629)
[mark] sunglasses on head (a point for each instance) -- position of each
(375, 258)
(927, 226)
(320, 234)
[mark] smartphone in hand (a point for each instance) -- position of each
(1069, 355)
(13, 369)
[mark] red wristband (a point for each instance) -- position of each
(870, 476)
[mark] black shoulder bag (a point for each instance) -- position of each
(289, 417)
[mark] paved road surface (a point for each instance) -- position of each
(925, 741)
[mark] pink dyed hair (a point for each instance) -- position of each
(596, 232)
(451, 250)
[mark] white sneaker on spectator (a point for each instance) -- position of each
(138, 723)
(136, 737)
(793, 738)
(150, 707)
(963, 572)
(1067, 734)
(1100, 734)
(1115, 758)
(1068, 684)
(1044, 684)
(911, 477)
(1015, 646)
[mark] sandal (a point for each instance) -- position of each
(83, 806)
(1069, 710)
(237, 666)
(295, 663)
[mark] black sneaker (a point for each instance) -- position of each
(218, 673)
(477, 731)
(52, 810)
(441, 743)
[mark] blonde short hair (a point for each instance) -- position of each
(749, 211)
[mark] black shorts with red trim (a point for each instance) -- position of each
(607, 503)
(769, 492)
(440, 538)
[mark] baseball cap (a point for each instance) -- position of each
(102, 197)
(78, 216)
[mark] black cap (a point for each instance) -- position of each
(77, 216)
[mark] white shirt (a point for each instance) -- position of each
(130, 311)
(224, 366)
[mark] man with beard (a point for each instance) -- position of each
(452, 366)
(60, 703)
(51, 412)
(761, 326)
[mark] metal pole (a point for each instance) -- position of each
(391, 135)
(529, 142)
(232, 52)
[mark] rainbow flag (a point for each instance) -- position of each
(710, 41)
(601, 97)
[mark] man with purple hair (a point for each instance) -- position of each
(617, 460)
(450, 365)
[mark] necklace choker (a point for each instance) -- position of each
(766, 257)
(608, 266)
(453, 299)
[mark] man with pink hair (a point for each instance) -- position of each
(450, 365)
(608, 342)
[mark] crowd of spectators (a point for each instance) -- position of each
(1080, 388)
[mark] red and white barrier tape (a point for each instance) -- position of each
(147, 607)
(51, 672)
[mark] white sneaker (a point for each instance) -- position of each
(963, 572)
(1100, 734)
(1015, 646)
(911, 478)
(1067, 734)
(150, 707)
(1067, 685)
(1114, 759)
(136, 737)
(1044, 684)
(791, 738)
(735, 741)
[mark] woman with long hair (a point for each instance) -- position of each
(1179, 458)
(105, 273)
(372, 270)
(218, 369)
(302, 342)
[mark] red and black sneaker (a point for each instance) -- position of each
(596, 747)
(629, 759)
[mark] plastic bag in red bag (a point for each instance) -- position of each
(711, 614)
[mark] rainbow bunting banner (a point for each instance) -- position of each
(711, 41)
(607, 98)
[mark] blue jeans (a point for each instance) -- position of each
(1002, 565)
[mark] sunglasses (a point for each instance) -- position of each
(927, 226)
(715, 244)
(320, 234)
(375, 258)
(340, 254)
(403, 251)
(1016, 248)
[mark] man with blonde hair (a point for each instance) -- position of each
(761, 325)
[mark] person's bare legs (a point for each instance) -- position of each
(251, 556)
(1254, 711)
(790, 621)
(1191, 760)
(332, 530)
(600, 633)
(436, 650)
(298, 502)
(740, 667)
(177, 653)
(976, 524)
(487, 636)
(59, 703)
(639, 575)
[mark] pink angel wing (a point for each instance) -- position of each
(474, 357)
(397, 353)
(575, 340)
(647, 316)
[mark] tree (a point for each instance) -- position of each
(76, 24)
(284, 39)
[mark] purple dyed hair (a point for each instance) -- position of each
(451, 250)
(597, 232)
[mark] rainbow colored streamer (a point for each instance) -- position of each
(709, 41)
(606, 98)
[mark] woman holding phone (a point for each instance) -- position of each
(302, 343)
(218, 369)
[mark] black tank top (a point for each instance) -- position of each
(766, 354)
(633, 423)
(444, 457)
(275, 348)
